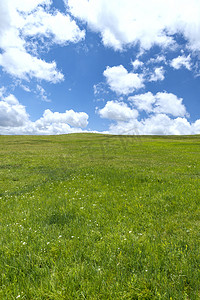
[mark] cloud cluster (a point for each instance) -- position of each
(15, 120)
(59, 27)
(123, 82)
(22, 20)
(125, 22)
(164, 102)
(166, 114)
(152, 70)
(159, 124)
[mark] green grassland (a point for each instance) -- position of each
(88, 216)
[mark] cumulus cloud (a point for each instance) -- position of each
(169, 103)
(162, 124)
(137, 64)
(118, 111)
(159, 124)
(15, 120)
(130, 127)
(196, 127)
(166, 114)
(21, 64)
(29, 6)
(12, 113)
(34, 18)
(122, 82)
(32, 128)
(181, 61)
(143, 101)
(158, 74)
(70, 117)
(164, 102)
(122, 23)
(57, 26)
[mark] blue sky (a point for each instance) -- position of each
(117, 66)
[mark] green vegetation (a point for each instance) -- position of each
(88, 216)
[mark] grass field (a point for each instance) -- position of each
(88, 216)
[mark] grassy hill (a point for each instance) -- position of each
(88, 216)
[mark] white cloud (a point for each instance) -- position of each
(15, 120)
(42, 93)
(159, 124)
(161, 103)
(19, 19)
(137, 64)
(32, 128)
(122, 82)
(69, 116)
(158, 74)
(181, 61)
(100, 88)
(23, 65)
(25, 88)
(109, 38)
(169, 103)
(166, 115)
(12, 113)
(58, 26)
(125, 128)
(162, 124)
(196, 127)
(118, 111)
(143, 101)
(28, 6)
(123, 22)
(157, 60)
(182, 126)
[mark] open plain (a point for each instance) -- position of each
(89, 216)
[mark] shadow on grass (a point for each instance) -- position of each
(61, 219)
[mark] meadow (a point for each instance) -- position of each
(89, 216)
